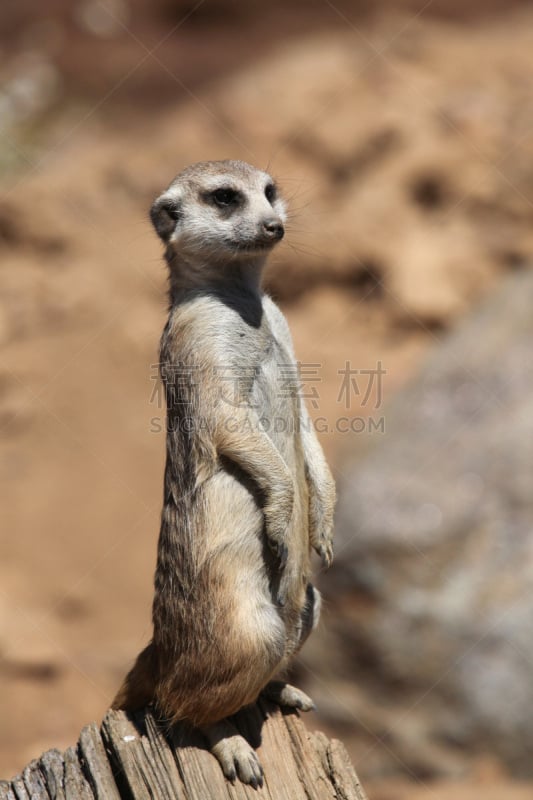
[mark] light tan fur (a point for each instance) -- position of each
(247, 489)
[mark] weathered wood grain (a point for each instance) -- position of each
(53, 769)
(338, 767)
(6, 792)
(310, 768)
(96, 764)
(35, 782)
(135, 757)
(19, 789)
(75, 783)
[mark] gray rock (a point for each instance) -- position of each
(435, 533)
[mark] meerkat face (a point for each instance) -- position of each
(220, 210)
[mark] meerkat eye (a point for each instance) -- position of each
(225, 197)
(270, 192)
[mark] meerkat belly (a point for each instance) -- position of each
(276, 399)
(234, 550)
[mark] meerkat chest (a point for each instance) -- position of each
(253, 363)
(274, 393)
(265, 369)
(277, 371)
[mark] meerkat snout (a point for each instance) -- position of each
(273, 229)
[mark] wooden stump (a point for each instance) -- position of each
(134, 758)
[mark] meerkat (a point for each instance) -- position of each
(247, 491)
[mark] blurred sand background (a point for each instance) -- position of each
(401, 133)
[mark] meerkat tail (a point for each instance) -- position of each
(137, 689)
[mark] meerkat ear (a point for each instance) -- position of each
(165, 213)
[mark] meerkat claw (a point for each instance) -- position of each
(326, 554)
(250, 770)
(327, 559)
(283, 553)
(280, 552)
(237, 758)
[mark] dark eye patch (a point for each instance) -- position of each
(224, 197)
(270, 192)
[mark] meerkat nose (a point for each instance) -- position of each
(273, 228)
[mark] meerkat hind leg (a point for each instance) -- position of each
(235, 755)
(286, 695)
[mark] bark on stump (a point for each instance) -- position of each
(132, 757)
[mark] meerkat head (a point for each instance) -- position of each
(217, 211)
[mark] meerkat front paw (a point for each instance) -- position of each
(321, 538)
(280, 551)
(324, 548)
(277, 517)
(321, 529)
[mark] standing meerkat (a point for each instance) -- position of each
(247, 491)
